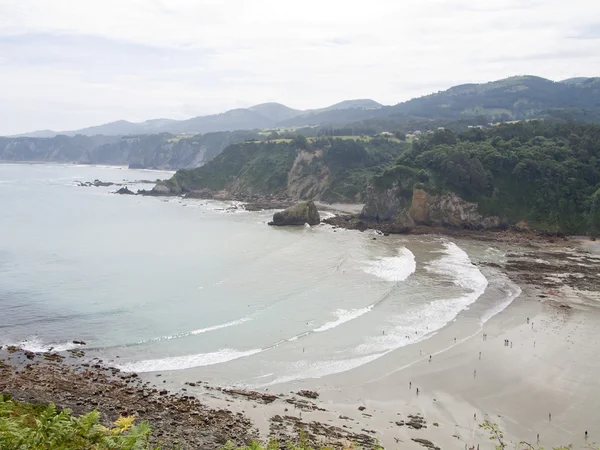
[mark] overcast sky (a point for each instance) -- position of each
(67, 64)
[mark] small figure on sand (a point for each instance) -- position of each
(479, 355)
(454, 340)
(474, 373)
(510, 344)
(586, 434)
(550, 417)
(410, 384)
(417, 391)
(429, 358)
(538, 438)
(528, 320)
(475, 416)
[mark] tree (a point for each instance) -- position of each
(300, 142)
(400, 135)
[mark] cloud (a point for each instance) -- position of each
(66, 65)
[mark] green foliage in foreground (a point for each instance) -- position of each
(40, 427)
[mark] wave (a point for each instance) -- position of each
(35, 344)
(186, 361)
(303, 370)
(393, 268)
(343, 317)
(423, 322)
(233, 323)
(512, 290)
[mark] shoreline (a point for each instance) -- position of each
(514, 387)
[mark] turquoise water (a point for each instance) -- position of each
(170, 284)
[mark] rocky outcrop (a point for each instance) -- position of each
(125, 191)
(401, 208)
(386, 204)
(298, 214)
(449, 210)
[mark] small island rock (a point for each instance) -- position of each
(125, 191)
(298, 214)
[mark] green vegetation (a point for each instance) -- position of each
(546, 174)
(39, 427)
(340, 168)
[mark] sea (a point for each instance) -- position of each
(169, 284)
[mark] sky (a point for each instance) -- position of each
(68, 64)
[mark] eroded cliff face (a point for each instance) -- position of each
(405, 209)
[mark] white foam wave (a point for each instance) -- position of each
(295, 338)
(343, 317)
(187, 361)
(198, 331)
(393, 268)
(233, 323)
(512, 292)
(421, 323)
(302, 370)
(36, 345)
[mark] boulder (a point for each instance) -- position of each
(298, 214)
(125, 190)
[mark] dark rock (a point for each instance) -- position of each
(298, 214)
(425, 443)
(79, 343)
(125, 191)
(308, 394)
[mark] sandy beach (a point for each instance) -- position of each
(532, 369)
(548, 367)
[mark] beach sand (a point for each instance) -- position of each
(550, 366)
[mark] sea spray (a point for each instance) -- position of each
(393, 268)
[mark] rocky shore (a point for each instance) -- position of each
(178, 419)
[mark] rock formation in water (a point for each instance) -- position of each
(298, 214)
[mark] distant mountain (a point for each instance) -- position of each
(275, 111)
(350, 104)
(513, 98)
(265, 115)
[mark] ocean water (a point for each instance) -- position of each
(155, 284)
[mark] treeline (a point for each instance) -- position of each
(546, 174)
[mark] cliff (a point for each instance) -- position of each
(331, 170)
(401, 209)
(158, 151)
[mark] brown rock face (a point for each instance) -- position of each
(449, 210)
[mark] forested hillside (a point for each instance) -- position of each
(548, 175)
(330, 169)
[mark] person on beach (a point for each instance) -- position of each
(474, 373)
(538, 438)
(550, 417)
(417, 391)
(410, 384)
(475, 416)
(479, 355)
(586, 434)
(528, 320)
(429, 358)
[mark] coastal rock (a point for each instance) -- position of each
(204, 194)
(385, 204)
(400, 208)
(125, 191)
(449, 210)
(161, 189)
(298, 214)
